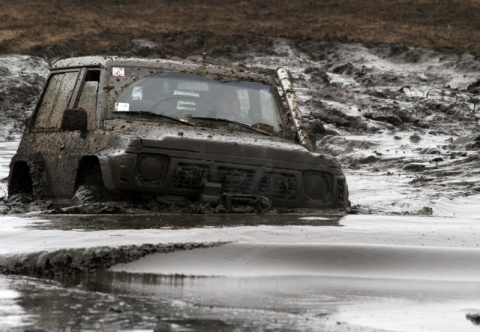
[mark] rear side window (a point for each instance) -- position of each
(56, 99)
(89, 95)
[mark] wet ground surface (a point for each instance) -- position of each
(402, 120)
(356, 273)
(115, 302)
(402, 125)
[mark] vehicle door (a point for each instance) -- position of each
(61, 149)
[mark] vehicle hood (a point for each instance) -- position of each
(128, 136)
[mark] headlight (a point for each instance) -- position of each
(318, 185)
(152, 167)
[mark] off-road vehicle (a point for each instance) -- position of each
(176, 130)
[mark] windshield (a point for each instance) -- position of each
(180, 94)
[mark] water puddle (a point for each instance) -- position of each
(183, 221)
(110, 301)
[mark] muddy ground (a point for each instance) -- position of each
(390, 88)
(183, 27)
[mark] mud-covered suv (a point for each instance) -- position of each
(180, 131)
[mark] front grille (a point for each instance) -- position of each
(190, 176)
(274, 185)
(278, 186)
(236, 180)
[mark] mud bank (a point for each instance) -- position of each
(21, 81)
(365, 246)
(66, 263)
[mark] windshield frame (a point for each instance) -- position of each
(132, 75)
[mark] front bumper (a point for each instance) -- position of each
(171, 172)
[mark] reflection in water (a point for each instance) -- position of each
(110, 301)
(113, 302)
(11, 313)
(178, 221)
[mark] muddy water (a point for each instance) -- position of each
(123, 302)
(290, 272)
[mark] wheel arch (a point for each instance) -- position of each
(88, 171)
(20, 179)
(28, 175)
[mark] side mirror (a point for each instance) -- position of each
(74, 119)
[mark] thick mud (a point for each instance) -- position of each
(406, 117)
(67, 263)
(389, 88)
(395, 104)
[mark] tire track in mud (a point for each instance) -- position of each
(73, 261)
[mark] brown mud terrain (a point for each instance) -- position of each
(184, 27)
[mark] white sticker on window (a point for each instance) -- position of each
(118, 71)
(185, 93)
(186, 106)
(122, 107)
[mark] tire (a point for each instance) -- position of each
(89, 187)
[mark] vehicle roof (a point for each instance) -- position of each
(173, 65)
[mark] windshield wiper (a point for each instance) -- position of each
(158, 115)
(243, 125)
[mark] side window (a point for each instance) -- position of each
(89, 95)
(269, 108)
(56, 99)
